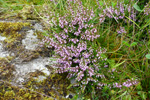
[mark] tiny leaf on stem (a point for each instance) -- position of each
(148, 56)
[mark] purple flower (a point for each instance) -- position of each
(106, 66)
(80, 75)
(66, 30)
(121, 30)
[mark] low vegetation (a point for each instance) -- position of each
(102, 45)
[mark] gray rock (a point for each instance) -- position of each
(3, 53)
(2, 38)
(38, 27)
(30, 42)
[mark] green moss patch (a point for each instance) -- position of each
(6, 68)
(55, 86)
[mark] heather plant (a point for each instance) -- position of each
(79, 33)
(75, 39)
(73, 42)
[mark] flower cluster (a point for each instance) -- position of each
(71, 44)
(117, 12)
(73, 37)
(127, 83)
(121, 30)
(147, 9)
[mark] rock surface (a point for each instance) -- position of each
(31, 61)
(37, 64)
(30, 42)
(38, 27)
(3, 53)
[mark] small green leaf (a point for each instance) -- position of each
(83, 88)
(147, 23)
(126, 43)
(127, 97)
(139, 87)
(44, 34)
(148, 42)
(137, 7)
(101, 3)
(121, 95)
(113, 4)
(118, 64)
(69, 86)
(112, 92)
(111, 62)
(28, 0)
(133, 44)
(133, 21)
(103, 56)
(144, 96)
(148, 56)
(139, 92)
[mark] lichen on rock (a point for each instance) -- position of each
(30, 42)
(26, 73)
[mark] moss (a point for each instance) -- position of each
(36, 73)
(8, 27)
(52, 87)
(14, 34)
(39, 35)
(12, 40)
(10, 30)
(6, 68)
(28, 55)
(9, 94)
(45, 52)
(27, 12)
(15, 11)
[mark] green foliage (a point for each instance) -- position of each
(127, 53)
(137, 7)
(29, 91)
(148, 56)
(123, 50)
(129, 45)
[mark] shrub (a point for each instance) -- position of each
(74, 43)
(80, 54)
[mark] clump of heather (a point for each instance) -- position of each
(119, 11)
(75, 41)
(147, 9)
(72, 41)
(121, 30)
